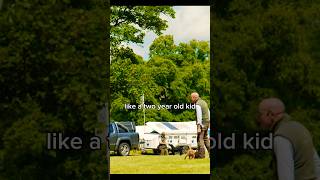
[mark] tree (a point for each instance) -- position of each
(166, 78)
(130, 23)
(162, 46)
(52, 80)
(263, 49)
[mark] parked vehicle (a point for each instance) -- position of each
(123, 137)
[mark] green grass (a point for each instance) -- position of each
(156, 164)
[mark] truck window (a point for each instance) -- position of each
(110, 128)
(122, 129)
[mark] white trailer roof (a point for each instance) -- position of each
(168, 127)
(142, 130)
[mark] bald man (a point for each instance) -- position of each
(203, 122)
(295, 157)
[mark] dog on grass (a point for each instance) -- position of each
(190, 153)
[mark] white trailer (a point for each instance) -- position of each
(179, 135)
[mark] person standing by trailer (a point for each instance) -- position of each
(202, 122)
(163, 144)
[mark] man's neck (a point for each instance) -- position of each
(277, 120)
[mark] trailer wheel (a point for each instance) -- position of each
(143, 151)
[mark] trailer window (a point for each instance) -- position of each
(170, 137)
(176, 137)
(194, 136)
(183, 137)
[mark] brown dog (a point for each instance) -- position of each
(191, 153)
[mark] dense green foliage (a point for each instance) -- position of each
(52, 79)
(162, 81)
(168, 77)
(263, 49)
(130, 23)
(53, 76)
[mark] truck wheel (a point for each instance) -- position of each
(124, 149)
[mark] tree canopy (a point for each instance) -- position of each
(52, 79)
(130, 23)
(263, 49)
(171, 73)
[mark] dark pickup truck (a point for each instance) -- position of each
(123, 137)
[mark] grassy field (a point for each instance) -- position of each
(156, 164)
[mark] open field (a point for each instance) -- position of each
(156, 164)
